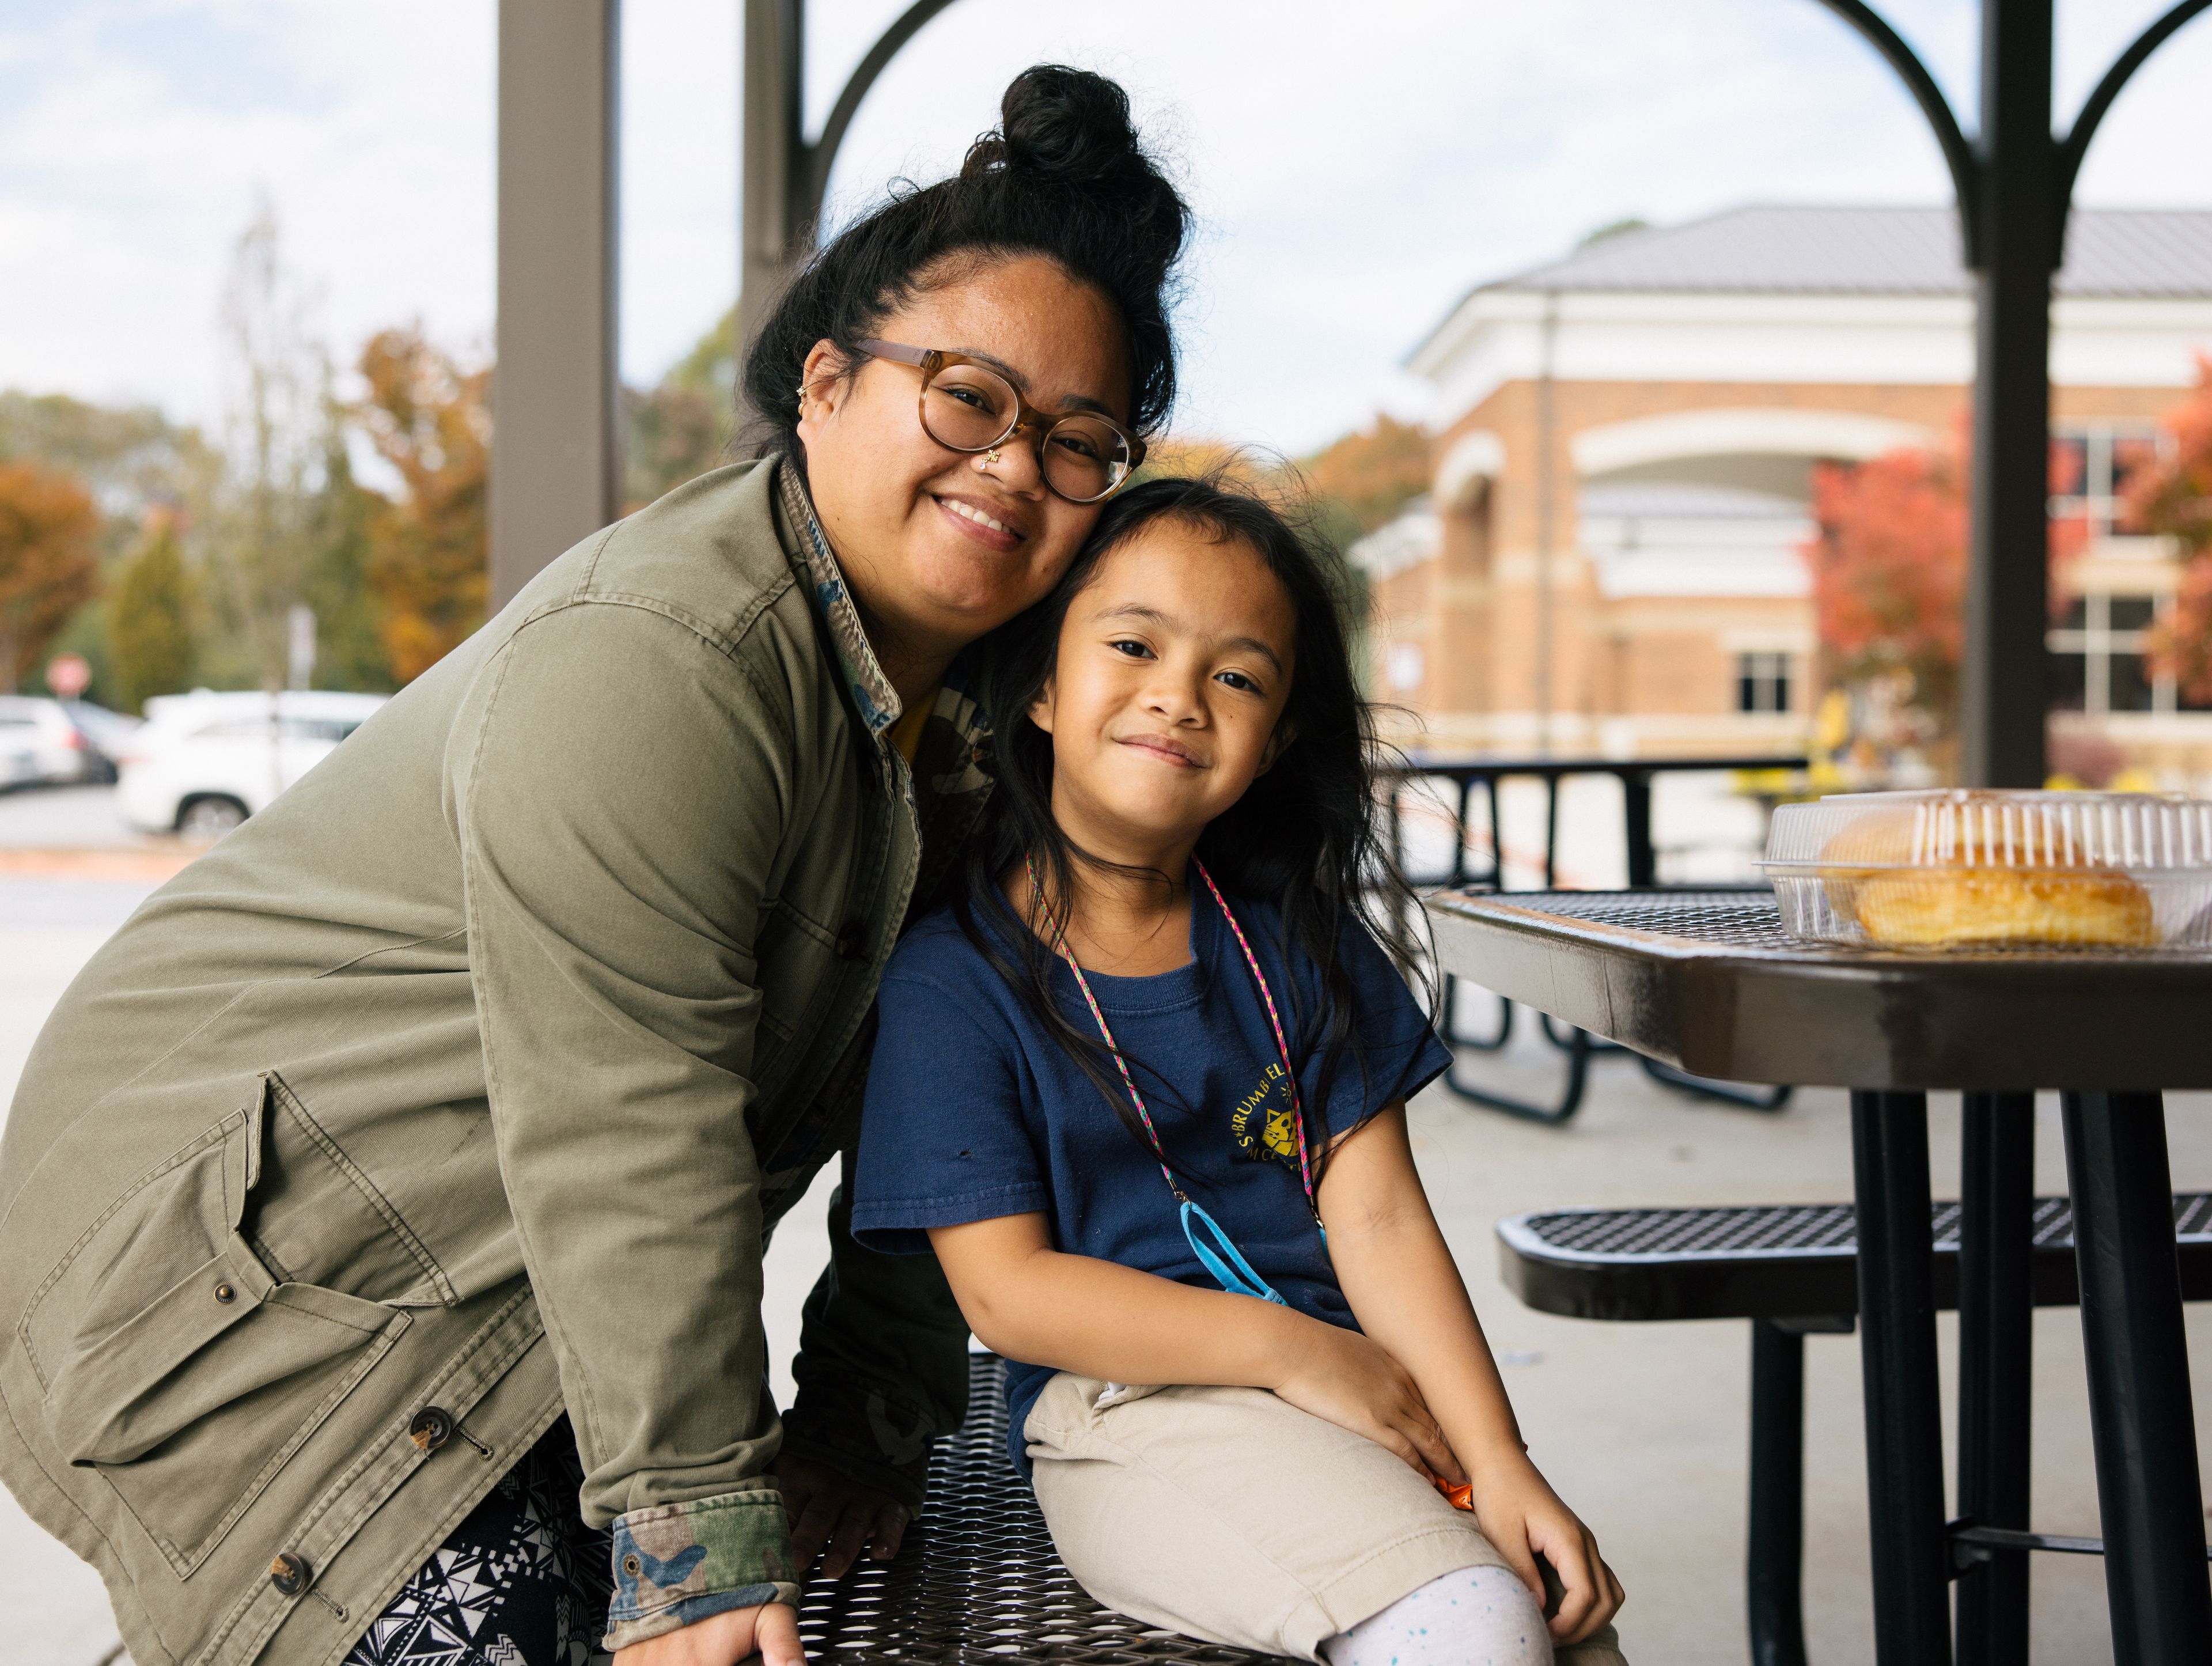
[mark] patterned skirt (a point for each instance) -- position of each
(521, 1582)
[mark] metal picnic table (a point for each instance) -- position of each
(1708, 981)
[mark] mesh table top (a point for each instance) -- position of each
(977, 1579)
(1708, 980)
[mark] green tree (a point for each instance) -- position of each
(682, 428)
(350, 646)
(149, 620)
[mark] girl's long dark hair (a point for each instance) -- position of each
(1306, 837)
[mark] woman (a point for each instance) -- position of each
(419, 1145)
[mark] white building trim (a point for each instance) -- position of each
(1747, 431)
(1497, 336)
(1413, 537)
(1476, 457)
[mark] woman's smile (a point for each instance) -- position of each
(992, 525)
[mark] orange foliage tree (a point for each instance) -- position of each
(1374, 472)
(430, 420)
(1889, 569)
(49, 562)
(2175, 498)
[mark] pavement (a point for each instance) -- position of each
(1644, 1429)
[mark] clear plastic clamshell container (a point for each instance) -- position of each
(1960, 867)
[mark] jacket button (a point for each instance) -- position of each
(852, 943)
(290, 1573)
(432, 1428)
(226, 1293)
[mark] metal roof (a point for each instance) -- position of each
(1811, 250)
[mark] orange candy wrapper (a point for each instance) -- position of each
(1460, 1497)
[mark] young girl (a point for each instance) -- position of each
(1143, 1091)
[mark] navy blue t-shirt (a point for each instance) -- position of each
(975, 1111)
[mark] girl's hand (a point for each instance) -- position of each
(723, 1639)
(1343, 1377)
(836, 1517)
(1519, 1513)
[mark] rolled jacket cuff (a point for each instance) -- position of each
(678, 1563)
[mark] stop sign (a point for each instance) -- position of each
(68, 675)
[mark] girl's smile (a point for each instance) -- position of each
(1166, 698)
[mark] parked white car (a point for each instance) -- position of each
(203, 762)
(52, 743)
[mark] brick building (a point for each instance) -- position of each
(1608, 561)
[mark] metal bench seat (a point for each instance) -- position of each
(1773, 1262)
(1791, 1270)
(978, 1582)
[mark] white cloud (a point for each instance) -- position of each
(1355, 168)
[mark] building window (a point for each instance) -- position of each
(1403, 668)
(1762, 682)
(2090, 465)
(2097, 658)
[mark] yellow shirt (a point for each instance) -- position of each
(906, 733)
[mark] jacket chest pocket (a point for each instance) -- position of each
(178, 1368)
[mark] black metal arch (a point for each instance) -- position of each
(823, 151)
(1957, 151)
(2092, 113)
(1960, 153)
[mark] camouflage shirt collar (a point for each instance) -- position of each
(876, 701)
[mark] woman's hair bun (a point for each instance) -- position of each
(1056, 122)
(1063, 176)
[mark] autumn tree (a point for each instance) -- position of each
(1889, 569)
(1375, 471)
(49, 562)
(429, 548)
(149, 619)
(2174, 498)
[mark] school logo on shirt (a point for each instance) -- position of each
(1262, 1124)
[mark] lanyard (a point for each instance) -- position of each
(1229, 1275)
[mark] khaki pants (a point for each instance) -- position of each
(1230, 1515)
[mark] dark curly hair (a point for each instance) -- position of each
(1063, 176)
(1307, 838)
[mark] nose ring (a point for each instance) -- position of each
(993, 455)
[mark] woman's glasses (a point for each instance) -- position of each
(970, 407)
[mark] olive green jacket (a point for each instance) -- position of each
(464, 1084)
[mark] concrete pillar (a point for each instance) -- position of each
(556, 473)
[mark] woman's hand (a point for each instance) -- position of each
(836, 1517)
(1520, 1514)
(723, 1639)
(1343, 1377)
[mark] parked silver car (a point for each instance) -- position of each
(55, 743)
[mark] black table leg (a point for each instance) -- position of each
(1996, 1311)
(2140, 1419)
(1897, 1351)
(1774, 1565)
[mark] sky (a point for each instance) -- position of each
(1355, 168)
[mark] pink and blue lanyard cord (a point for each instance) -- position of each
(1212, 1246)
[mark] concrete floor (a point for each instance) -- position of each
(1642, 1429)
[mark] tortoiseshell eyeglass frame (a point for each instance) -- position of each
(932, 360)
